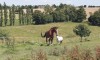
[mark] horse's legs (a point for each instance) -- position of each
(46, 40)
(51, 40)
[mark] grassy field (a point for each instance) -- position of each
(28, 41)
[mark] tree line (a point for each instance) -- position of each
(62, 13)
(24, 15)
(10, 15)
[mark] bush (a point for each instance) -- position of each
(38, 17)
(82, 31)
(95, 18)
(40, 55)
(48, 18)
(81, 14)
(3, 34)
(58, 16)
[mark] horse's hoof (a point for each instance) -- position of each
(48, 44)
(51, 44)
(80, 41)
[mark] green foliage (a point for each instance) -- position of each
(12, 15)
(70, 12)
(38, 17)
(61, 5)
(28, 15)
(48, 18)
(61, 13)
(4, 34)
(81, 14)
(21, 15)
(95, 18)
(48, 9)
(5, 14)
(1, 15)
(58, 16)
(54, 6)
(82, 30)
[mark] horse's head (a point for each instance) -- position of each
(55, 29)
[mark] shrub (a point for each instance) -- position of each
(86, 55)
(40, 55)
(81, 30)
(74, 53)
(38, 17)
(95, 18)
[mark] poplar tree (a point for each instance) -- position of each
(27, 15)
(10, 16)
(1, 15)
(13, 14)
(31, 13)
(5, 14)
(19, 12)
(22, 17)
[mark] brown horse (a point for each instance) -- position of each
(50, 35)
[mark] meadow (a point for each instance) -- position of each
(29, 45)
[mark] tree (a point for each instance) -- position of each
(95, 18)
(54, 6)
(85, 6)
(5, 14)
(81, 15)
(48, 9)
(38, 17)
(62, 5)
(29, 13)
(58, 16)
(10, 15)
(19, 13)
(13, 14)
(1, 15)
(82, 31)
(70, 12)
(21, 16)
(36, 6)
(48, 18)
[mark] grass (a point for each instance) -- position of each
(28, 39)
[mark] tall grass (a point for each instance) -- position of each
(98, 53)
(26, 36)
(40, 55)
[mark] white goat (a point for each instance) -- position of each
(59, 39)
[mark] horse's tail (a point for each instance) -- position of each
(43, 35)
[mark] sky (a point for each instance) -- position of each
(50, 2)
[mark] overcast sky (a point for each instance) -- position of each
(50, 2)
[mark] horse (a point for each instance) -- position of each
(50, 35)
